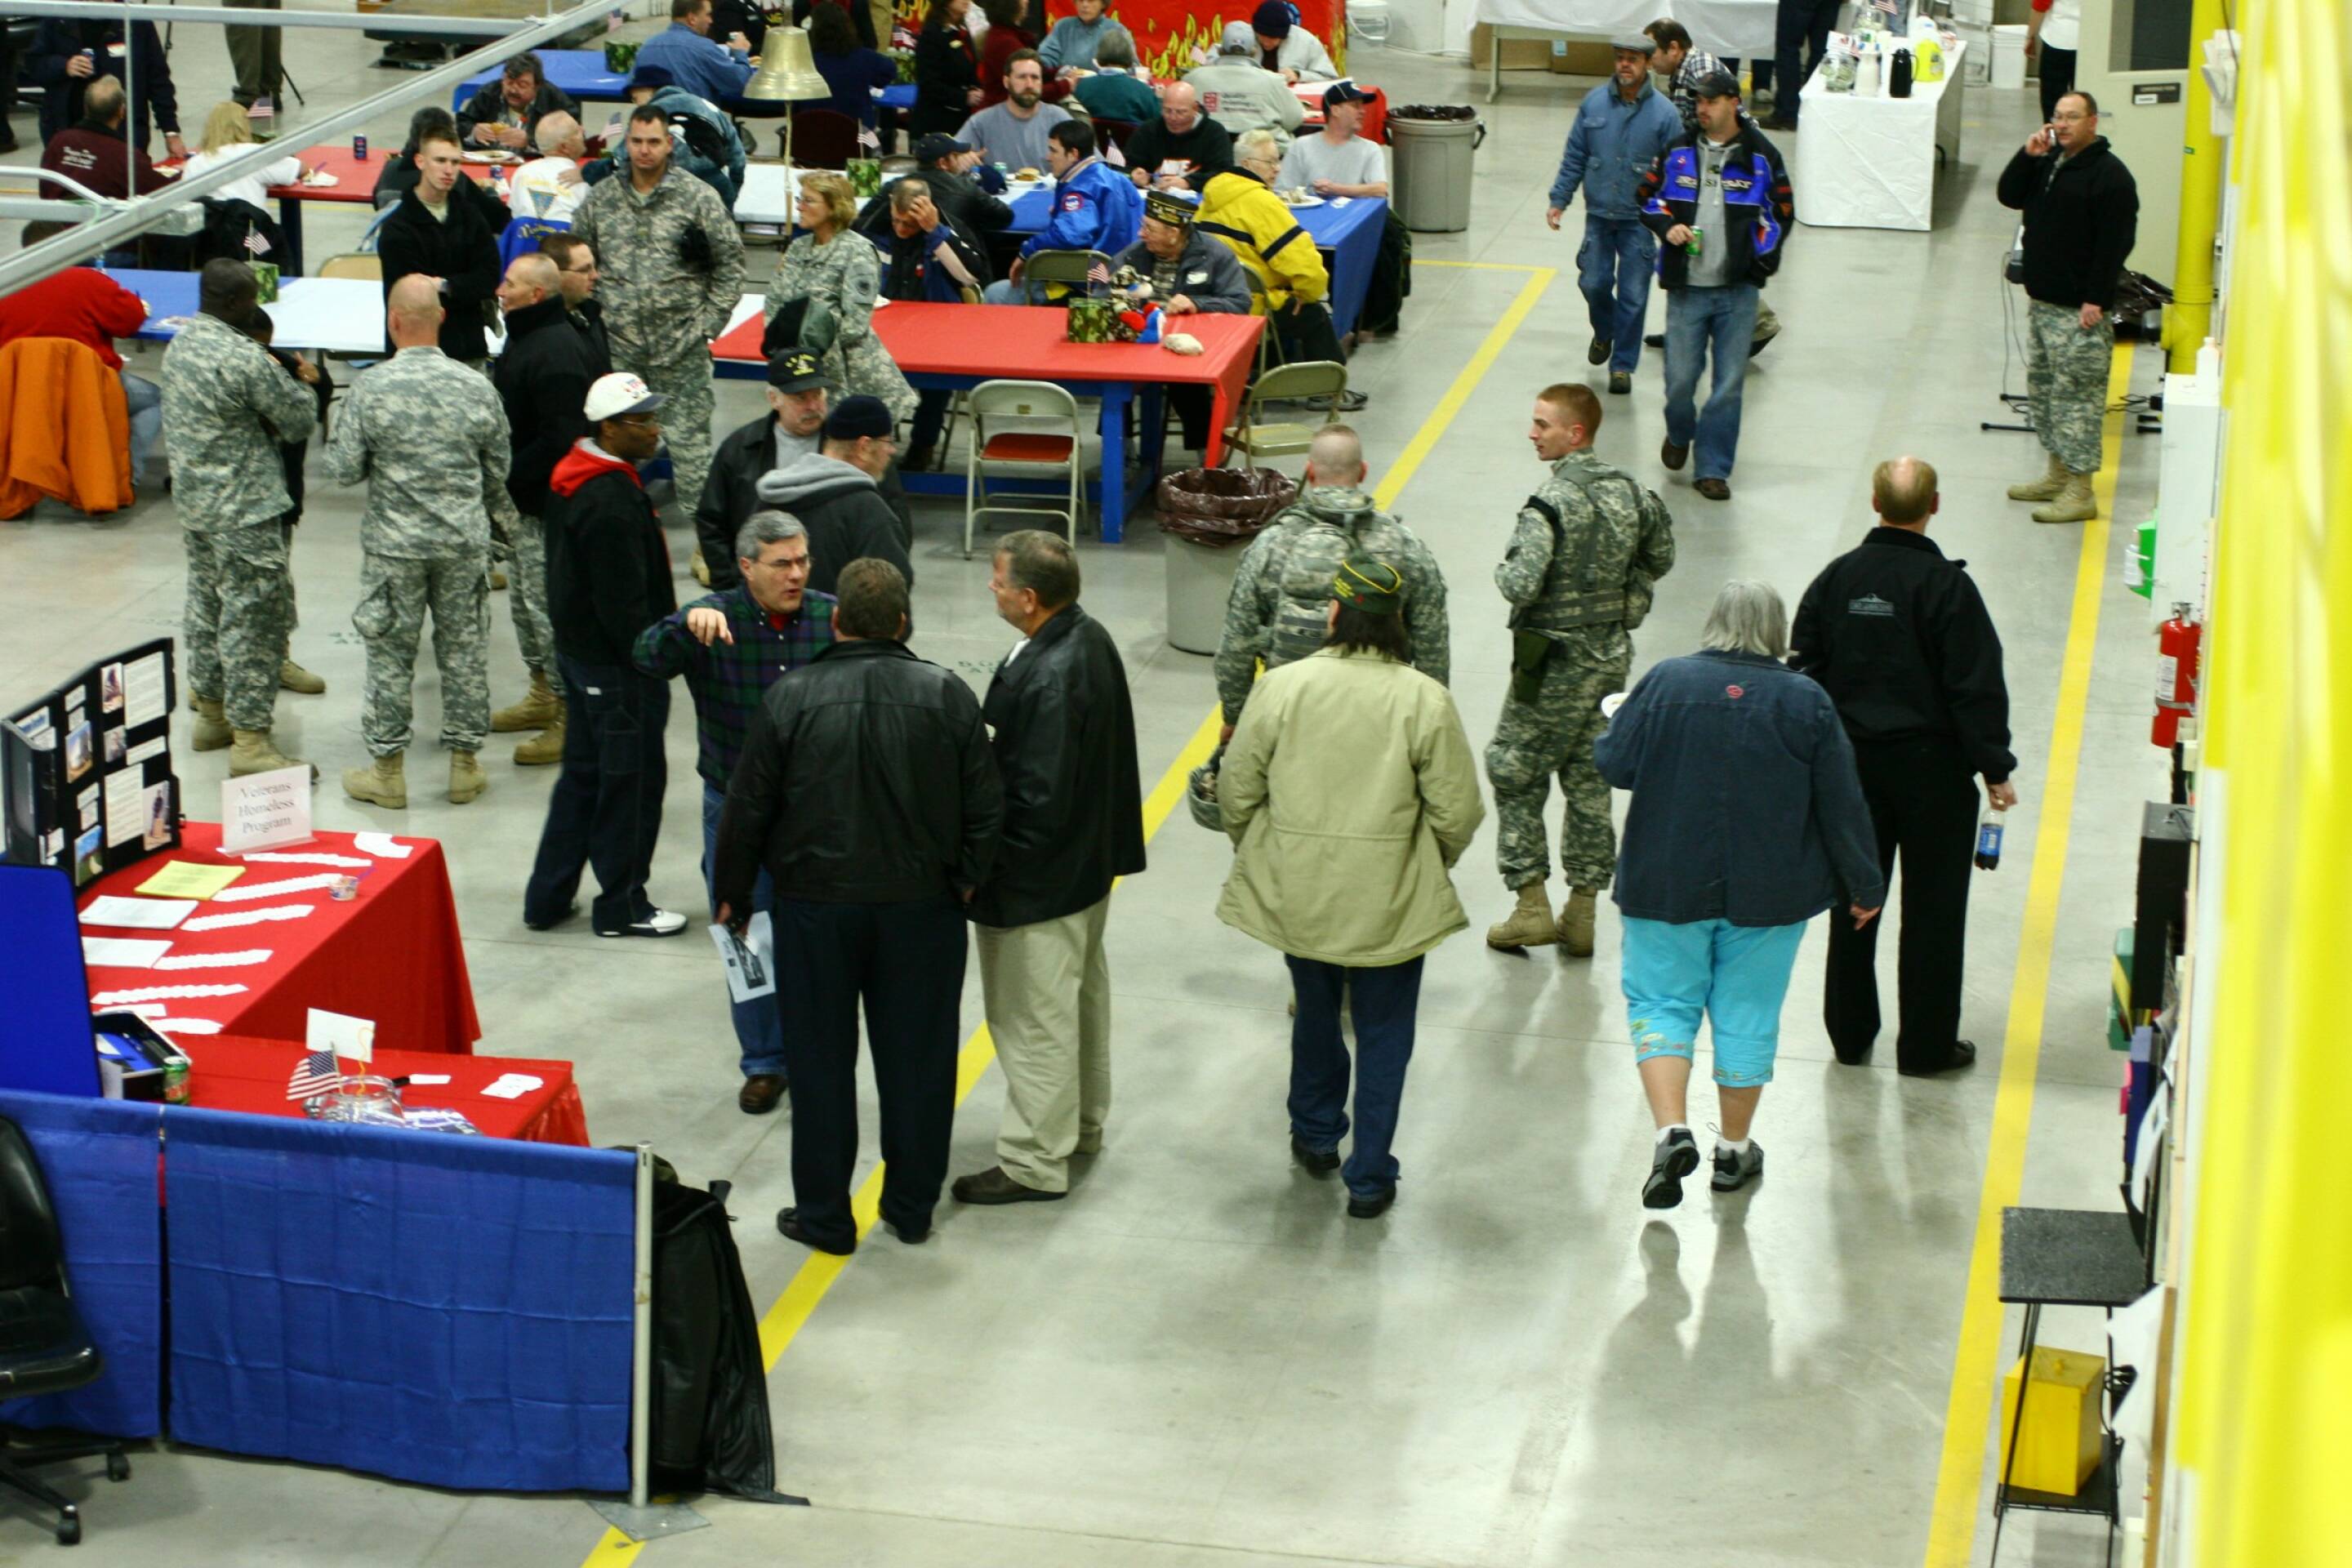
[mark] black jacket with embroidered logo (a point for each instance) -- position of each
(2082, 219)
(1899, 636)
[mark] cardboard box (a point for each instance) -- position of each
(2062, 1438)
(1518, 54)
(1582, 59)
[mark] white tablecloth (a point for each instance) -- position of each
(336, 315)
(769, 192)
(1743, 29)
(1870, 162)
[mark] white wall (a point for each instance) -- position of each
(1430, 27)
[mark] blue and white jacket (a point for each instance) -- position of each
(1095, 207)
(1756, 196)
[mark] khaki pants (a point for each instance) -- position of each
(1047, 991)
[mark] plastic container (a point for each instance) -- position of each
(1433, 146)
(2009, 55)
(1368, 21)
(1208, 514)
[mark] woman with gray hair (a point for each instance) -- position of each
(1748, 820)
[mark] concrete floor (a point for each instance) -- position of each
(1199, 1362)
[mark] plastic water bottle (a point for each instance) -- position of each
(1989, 839)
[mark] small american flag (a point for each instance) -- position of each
(1098, 271)
(869, 137)
(315, 1074)
(257, 242)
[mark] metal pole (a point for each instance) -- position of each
(2203, 156)
(403, 22)
(144, 213)
(641, 1363)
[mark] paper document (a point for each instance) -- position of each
(142, 691)
(122, 952)
(215, 959)
(172, 1026)
(158, 993)
(188, 879)
(272, 890)
(251, 917)
(137, 914)
(349, 862)
(351, 1039)
(126, 806)
(514, 1086)
(380, 844)
(751, 962)
(421, 1079)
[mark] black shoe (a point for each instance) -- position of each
(1597, 351)
(1371, 1208)
(1318, 1162)
(994, 1187)
(909, 1235)
(1780, 122)
(552, 921)
(1655, 340)
(1620, 382)
(1964, 1055)
(1852, 1058)
(1672, 456)
(788, 1225)
(1674, 1159)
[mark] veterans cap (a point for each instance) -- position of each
(611, 396)
(1345, 92)
(859, 415)
(654, 77)
(1717, 84)
(938, 145)
(1371, 585)
(1635, 44)
(795, 370)
(1272, 20)
(1169, 207)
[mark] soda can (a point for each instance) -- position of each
(1696, 235)
(359, 148)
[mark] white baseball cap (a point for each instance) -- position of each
(612, 396)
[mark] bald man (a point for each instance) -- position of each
(550, 186)
(431, 440)
(542, 379)
(1181, 143)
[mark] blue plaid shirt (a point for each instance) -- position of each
(728, 680)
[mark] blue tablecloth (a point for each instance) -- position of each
(580, 72)
(1347, 234)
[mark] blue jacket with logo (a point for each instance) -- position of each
(1611, 146)
(1746, 806)
(1095, 207)
(1756, 197)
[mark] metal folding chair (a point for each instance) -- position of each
(1025, 425)
(1309, 381)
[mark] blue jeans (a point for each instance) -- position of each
(1383, 1001)
(1736, 975)
(1700, 322)
(146, 402)
(1005, 290)
(759, 1025)
(1614, 267)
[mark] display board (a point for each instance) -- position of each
(1171, 36)
(86, 780)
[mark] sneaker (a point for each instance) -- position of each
(1351, 400)
(1733, 1172)
(653, 922)
(1674, 1159)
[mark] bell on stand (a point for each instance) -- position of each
(787, 75)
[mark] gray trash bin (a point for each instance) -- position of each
(1434, 143)
(1200, 581)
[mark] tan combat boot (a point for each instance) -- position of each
(701, 568)
(466, 778)
(212, 725)
(1575, 924)
(294, 678)
(2044, 489)
(1530, 924)
(539, 709)
(2072, 503)
(547, 746)
(498, 580)
(383, 781)
(250, 751)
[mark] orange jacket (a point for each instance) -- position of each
(64, 430)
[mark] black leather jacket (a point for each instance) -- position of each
(866, 780)
(1065, 747)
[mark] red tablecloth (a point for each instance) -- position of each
(393, 954)
(228, 1072)
(1032, 343)
(355, 181)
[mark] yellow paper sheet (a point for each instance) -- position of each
(187, 879)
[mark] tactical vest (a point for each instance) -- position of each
(1309, 562)
(1587, 587)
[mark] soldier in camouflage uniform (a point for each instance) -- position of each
(227, 405)
(671, 270)
(430, 437)
(1281, 596)
(1585, 553)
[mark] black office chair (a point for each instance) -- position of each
(44, 1348)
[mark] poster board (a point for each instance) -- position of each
(86, 780)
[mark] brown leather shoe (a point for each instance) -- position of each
(759, 1093)
(1714, 490)
(994, 1187)
(1672, 456)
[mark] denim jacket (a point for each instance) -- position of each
(1611, 146)
(1746, 804)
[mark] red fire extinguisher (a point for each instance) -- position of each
(2176, 675)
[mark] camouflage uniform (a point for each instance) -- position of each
(1581, 583)
(228, 405)
(2066, 383)
(430, 437)
(844, 275)
(662, 308)
(533, 632)
(1282, 589)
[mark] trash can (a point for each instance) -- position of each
(1208, 514)
(1434, 143)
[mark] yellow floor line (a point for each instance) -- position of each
(1967, 1411)
(820, 1269)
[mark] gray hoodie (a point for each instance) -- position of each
(844, 512)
